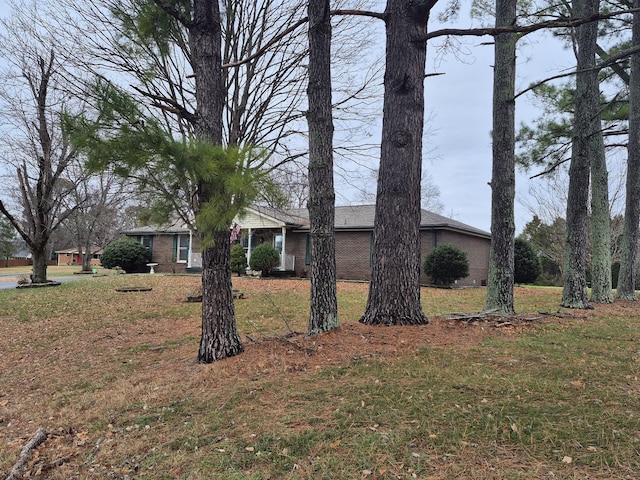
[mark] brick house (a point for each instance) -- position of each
(71, 256)
(174, 249)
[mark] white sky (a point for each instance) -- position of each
(459, 106)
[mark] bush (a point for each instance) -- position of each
(238, 259)
(526, 263)
(445, 264)
(127, 254)
(264, 258)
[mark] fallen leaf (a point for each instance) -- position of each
(249, 449)
(567, 459)
(592, 448)
(335, 444)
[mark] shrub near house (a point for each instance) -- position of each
(264, 258)
(127, 254)
(238, 259)
(445, 264)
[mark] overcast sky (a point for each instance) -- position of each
(458, 103)
(461, 104)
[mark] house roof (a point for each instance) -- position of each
(156, 230)
(362, 217)
(94, 250)
(354, 217)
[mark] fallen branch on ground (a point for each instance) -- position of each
(39, 437)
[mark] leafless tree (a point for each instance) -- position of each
(33, 94)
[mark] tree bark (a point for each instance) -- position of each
(628, 264)
(501, 256)
(394, 290)
(574, 293)
(601, 288)
(219, 338)
(324, 305)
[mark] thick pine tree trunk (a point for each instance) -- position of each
(628, 264)
(394, 291)
(574, 293)
(503, 183)
(601, 289)
(324, 305)
(220, 338)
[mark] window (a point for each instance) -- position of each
(147, 242)
(182, 249)
(277, 243)
(307, 252)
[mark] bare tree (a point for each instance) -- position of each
(33, 96)
(97, 200)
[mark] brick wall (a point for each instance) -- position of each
(353, 253)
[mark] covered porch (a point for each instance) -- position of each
(258, 226)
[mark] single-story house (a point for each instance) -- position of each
(71, 256)
(175, 248)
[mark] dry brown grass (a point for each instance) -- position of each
(113, 378)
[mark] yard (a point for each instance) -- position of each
(112, 378)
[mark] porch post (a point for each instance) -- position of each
(249, 241)
(190, 248)
(283, 261)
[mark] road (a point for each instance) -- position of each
(10, 281)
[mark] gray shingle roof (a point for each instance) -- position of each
(155, 230)
(362, 217)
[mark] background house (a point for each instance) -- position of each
(175, 248)
(71, 256)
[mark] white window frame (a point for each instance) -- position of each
(180, 248)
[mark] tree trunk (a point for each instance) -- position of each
(628, 264)
(601, 288)
(574, 293)
(394, 291)
(503, 183)
(220, 338)
(86, 257)
(219, 334)
(324, 305)
(40, 260)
